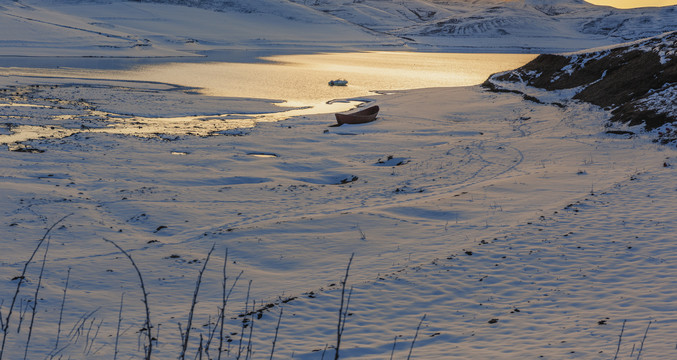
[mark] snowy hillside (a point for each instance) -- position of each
(38, 28)
(532, 218)
(542, 22)
(636, 81)
(499, 224)
(189, 28)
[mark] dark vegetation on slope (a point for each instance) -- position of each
(618, 79)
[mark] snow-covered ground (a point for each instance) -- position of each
(519, 228)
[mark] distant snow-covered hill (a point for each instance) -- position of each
(494, 18)
(553, 19)
(153, 28)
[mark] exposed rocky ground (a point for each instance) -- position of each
(636, 81)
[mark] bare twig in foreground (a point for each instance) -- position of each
(117, 332)
(393, 351)
(5, 323)
(641, 346)
(35, 300)
(343, 313)
(148, 325)
(244, 321)
(63, 302)
(277, 329)
(186, 336)
(620, 338)
(224, 301)
(415, 336)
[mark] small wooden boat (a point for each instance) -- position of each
(359, 117)
(339, 82)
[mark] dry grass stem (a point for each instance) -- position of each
(63, 302)
(620, 339)
(343, 308)
(148, 326)
(35, 300)
(277, 329)
(21, 278)
(641, 346)
(224, 301)
(411, 349)
(198, 282)
(244, 320)
(117, 331)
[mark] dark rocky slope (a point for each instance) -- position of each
(636, 81)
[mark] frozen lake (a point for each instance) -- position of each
(302, 80)
(208, 98)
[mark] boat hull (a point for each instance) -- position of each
(360, 117)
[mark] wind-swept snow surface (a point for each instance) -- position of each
(520, 228)
(509, 221)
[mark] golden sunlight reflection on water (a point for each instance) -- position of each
(302, 80)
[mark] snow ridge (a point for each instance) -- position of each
(559, 18)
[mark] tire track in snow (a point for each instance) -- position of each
(145, 42)
(377, 201)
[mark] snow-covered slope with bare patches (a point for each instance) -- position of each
(637, 81)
